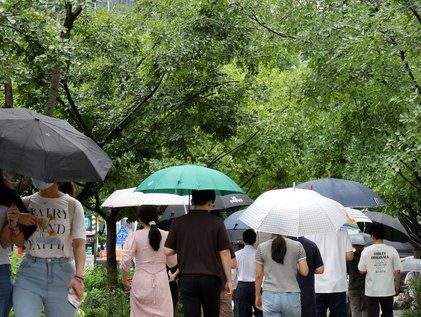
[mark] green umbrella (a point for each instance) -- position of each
(181, 180)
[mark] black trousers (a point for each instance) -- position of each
(200, 291)
(245, 300)
(335, 302)
(174, 295)
(386, 304)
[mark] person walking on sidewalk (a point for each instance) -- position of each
(201, 243)
(246, 273)
(381, 265)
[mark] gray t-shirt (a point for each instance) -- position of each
(280, 277)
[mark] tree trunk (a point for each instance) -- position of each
(52, 95)
(417, 251)
(70, 18)
(8, 95)
(111, 241)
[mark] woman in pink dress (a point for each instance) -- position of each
(150, 294)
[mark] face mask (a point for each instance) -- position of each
(40, 184)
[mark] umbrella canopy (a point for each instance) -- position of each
(395, 231)
(233, 223)
(129, 198)
(294, 212)
(227, 202)
(232, 202)
(181, 180)
(174, 211)
(357, 215)
(354, 216)
(48, 149)
(348, 193)
(411, 264)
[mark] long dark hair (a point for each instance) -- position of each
(67, 188)
(149, 215)
(279, 249)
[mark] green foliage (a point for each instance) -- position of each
(99, 300)
(15, 260)
(269, 92)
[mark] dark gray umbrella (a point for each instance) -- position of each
(48, 149)
(347, 193)
(395, 231)
(232, 202)
(227, 202)
(233, 223)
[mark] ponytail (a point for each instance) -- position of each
(154, 237)
(149, 215)
(279, 249)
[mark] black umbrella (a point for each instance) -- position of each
(48, 149)
(395, 231)
(227, 203)
(348, 193)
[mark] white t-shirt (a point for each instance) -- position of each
(333, 247)
(4, 253)
(380, 261)
(246, 264)
(55, 239)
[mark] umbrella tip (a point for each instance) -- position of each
(293, 186)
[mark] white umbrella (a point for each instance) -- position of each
(357, 215)
(294, 212)
(129, 198)
(411, 264)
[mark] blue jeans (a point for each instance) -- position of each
(42, 283)
(279, 304)
(5, 290)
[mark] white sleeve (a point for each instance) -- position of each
(78, 225)
(348, 243)
(397, 265)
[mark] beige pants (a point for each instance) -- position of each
(225, 306)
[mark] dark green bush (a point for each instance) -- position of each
(99, 300)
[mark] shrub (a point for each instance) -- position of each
(416, 300)
(99, 300)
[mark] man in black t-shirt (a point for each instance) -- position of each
(306, 283)
(201, 243)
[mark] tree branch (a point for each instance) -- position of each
(173, 109)
(409, 70)
(115, 132)
(405, 178)
(223, 154)
(278, 33)
(75, 111)
(250, 178)
(139, 63)
(415, 12)
(55, 76)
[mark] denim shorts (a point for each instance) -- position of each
(277, 304)
(42, 284)
(5, 290)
